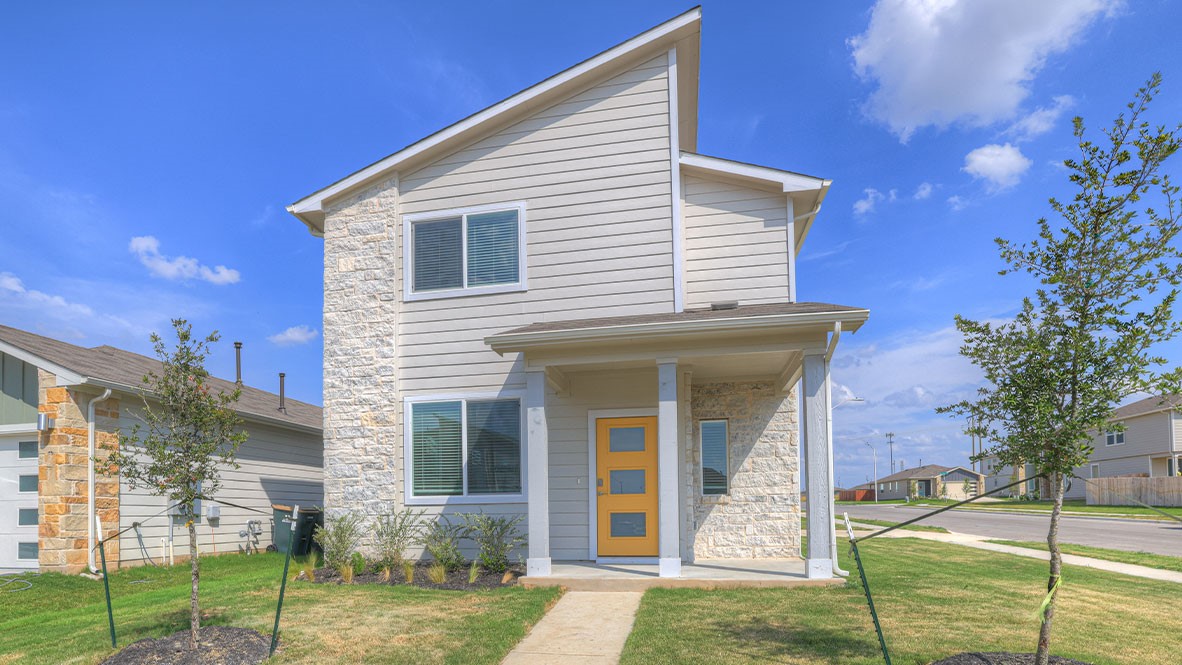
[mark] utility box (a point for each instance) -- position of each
(284, 537)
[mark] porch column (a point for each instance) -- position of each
(816, 464)
(537, 474)
(669, 529)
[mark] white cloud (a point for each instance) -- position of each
(866, 204)
(957, 203)
(1000, 166)
(939, 62)
(1041, 120)
(293, 336)
(58, 316)
(12, 288)
(923, 191)
(147, 248)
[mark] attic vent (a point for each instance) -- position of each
(720, 306)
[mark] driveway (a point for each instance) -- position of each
(1159, 537)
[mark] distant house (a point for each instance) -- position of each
(59, 401)
(930, 480)
(1149, 445)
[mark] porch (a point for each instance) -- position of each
(652, 508)
(703, 574)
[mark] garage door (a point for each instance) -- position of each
(18, 501)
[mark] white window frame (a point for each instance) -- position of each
(702, 457)
(408, 403)
(408, 271)
(1111, 438)
(1094, 470)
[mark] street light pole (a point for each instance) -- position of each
(891, 443)
(875, 454)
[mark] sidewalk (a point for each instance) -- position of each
(979, 542)
(583, 628)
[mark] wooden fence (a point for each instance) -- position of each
(1162, 491)
(855, 495)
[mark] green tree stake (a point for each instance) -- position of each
(107, 591)
(295, 518)
(870, 601)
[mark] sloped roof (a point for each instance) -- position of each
(919, 473)
(109, 367)
(1148, 405)
(680, 33)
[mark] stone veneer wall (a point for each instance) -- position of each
(62, 489)
(362, 460)
(760, 516)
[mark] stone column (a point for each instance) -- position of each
(668, 516)
(537, 474)
(816, 462)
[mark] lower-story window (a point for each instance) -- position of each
(26, 551)
(714, 456)
(465, 447)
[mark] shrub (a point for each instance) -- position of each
(394, 534)
(473, 573)
(495, 536)
(338, 540)
(437, 573)
(442, 541)
(357, 563)
(408, 571)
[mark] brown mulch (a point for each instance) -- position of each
(217, 645)
(457, 580)
(1002, 658)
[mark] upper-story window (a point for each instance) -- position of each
(1114, 438)
(464, 252)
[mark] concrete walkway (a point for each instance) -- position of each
(583, 628)
(979, 542)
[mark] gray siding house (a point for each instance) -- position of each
(60, 404)
(557, 308)
(930, 480)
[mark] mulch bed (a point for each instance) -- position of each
(456, 580)
(217, 645)
(1002, 658)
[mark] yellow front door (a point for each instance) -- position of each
(626, 485)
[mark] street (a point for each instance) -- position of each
(1159, 537)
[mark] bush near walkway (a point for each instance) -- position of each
(934, 599)
(62, 619)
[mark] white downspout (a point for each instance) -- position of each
(91, 514)
(829, 429)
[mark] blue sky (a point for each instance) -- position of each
(147, 151)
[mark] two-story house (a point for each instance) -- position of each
(1148, 443)
(558, 308)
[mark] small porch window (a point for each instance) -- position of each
(465, 252)
(715, 468)
(465, 448)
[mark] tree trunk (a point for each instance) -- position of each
(1043, 654)
(194, 612)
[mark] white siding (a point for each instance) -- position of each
(736, 244)
(594, 172)
(276, 466)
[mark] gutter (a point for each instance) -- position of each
(91, 515)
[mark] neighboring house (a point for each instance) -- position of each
(556, 308)
(999, 475)
(1149, 445)
(931, 480)
(58, 399)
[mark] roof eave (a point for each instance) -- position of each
(310, 209)
(502, 343)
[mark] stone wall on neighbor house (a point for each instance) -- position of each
(759, 517)
(62, 490)
(362, 459)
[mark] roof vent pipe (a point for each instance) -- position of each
(238, 363)
(282, 405)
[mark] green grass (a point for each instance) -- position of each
(62, 619)
(935, 599)
(1069, 506)
(1162, 561)
(909, 527)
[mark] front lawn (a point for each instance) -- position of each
(935, 599)
(1070, 506)
(62, 619)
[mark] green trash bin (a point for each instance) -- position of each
(283, 535)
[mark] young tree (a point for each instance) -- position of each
(1108, 273)
(189, 434)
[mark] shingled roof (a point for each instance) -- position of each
(115, 368)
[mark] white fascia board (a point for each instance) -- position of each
(307, 208)
(521, 341)
(64, 375)
(788, 182)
